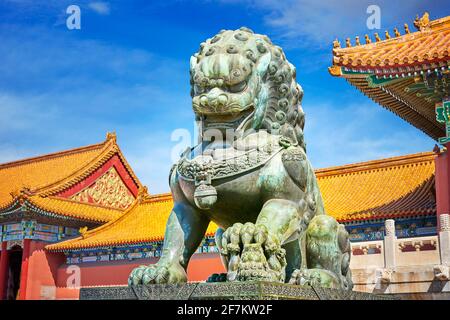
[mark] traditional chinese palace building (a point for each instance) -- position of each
(409, 75)
(81, 217)
(48, 199)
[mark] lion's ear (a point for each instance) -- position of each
(263, 64)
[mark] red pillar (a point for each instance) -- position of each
(24, 269)
(3, 270)
(442, 184)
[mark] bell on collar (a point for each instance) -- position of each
(205, 196)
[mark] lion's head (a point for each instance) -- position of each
(239, 76)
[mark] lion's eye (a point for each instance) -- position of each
(238, 87)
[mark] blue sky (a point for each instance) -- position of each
(127, 70)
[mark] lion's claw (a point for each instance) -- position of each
(252, 253)
(238, 235)
(315, 278)
(136, 275)
(157, 274)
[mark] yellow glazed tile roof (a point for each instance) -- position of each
(37, 180)
(374, 189)
(74, 209)
(145, 221)
(381, 188)
(40, 171)
(430, 44)
(393, 72)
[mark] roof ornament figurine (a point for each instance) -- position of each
(143, 194)
(348, 43)
(336, 43)
(111, 136)
(366, 37)
(422, 24)
(377, 37)
(407, 31)
(83, 231)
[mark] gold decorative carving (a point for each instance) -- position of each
(108, 190)
(83, 231)
(422, 24)
(335, 70)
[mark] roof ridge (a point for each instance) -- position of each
(127, 165)
(142, 199)
(436, 25)
(51, 155)
(64, 183)
(158, 197)
(376, 164)
(34, 200)
(110, 149)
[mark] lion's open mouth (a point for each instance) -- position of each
(225, 111)
(229, 120)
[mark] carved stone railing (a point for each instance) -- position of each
(408, 251)
(416, 264)
(367, 254)
(417, 251)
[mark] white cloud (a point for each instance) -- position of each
(100, 7)
(150, 159)
(57, 93)
(337, 135)
(144, 97)
(314, 24)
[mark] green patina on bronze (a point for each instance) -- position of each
(258, 184)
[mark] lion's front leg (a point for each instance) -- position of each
(184, 231)
(254, 251)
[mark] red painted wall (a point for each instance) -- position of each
(442, 183)
(116, 273)
(42, 271)
(3, 270)
(203, 265)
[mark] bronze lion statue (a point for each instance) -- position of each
(249, 174)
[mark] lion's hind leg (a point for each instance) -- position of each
(327, 255)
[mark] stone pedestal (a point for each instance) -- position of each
(255, 290)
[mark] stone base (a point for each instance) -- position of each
(256, 290)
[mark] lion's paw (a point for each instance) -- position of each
(157, 274)
(252, 253)
(315, 278)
